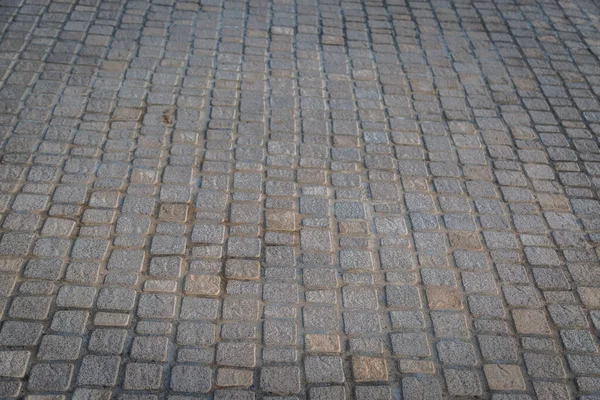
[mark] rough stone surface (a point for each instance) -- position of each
(369, 369)
(357, 200)
(13, 363)
(504, 377)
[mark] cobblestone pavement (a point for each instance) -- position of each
(322, 200)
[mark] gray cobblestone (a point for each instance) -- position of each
(321, 200)
(189, 378)
(70, 321)
(107, 341)
(140, 376)
(54, 347)
(236, 354)
(150, 348)
(13, 364)
(280, 380)
(50, 377)
(98, 370)
(462, 382)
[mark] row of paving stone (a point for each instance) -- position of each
(299, 199)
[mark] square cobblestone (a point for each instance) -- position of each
(504, 377)
(236, 354)
(190, 378)
(279, 200)
(13, 364)
(50, 377)
(368, 369)
(280, 380)
(324, 369)
(140, 376)
(98, 371)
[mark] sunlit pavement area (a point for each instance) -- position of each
(322, 200)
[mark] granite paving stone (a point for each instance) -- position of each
(299, 199)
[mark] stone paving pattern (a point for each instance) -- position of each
(299, 199)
